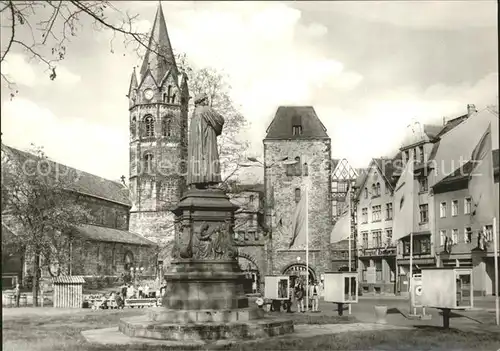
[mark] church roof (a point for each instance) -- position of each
(159, 57)
(288, 116)
(82, 182)
(97, 233)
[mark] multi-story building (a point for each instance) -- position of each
(296, 133)
(251, 236)
(436, 152)
(105, 246)
(158, 112)
(463, 235)
(343, 177)
(374, 211)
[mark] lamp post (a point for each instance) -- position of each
(268, 204)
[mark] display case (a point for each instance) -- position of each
(341, 287)
(277, 287)
(416, 291)
(447, 288)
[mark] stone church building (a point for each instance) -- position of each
(107, 248)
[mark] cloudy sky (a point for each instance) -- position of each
(368, 68)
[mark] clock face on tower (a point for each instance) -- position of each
(148, 94)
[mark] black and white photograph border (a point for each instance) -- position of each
(279, 175)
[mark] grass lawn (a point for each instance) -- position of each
(62, 332)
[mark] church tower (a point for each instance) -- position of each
(158, 106)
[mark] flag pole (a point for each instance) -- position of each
(495, 244)
(307, 244)
(412, 204)
(350, 233)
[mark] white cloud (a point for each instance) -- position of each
(21, 71)
(376, 128)
(423, 14)
(74, 142)
(258, 45)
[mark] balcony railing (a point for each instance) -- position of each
(378, 251)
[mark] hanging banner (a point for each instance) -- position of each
(416, 291)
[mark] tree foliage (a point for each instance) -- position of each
(42, 29)
(37, 203)
(232, 146)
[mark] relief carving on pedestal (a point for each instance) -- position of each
(213, 242)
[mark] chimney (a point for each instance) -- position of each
(471, 108)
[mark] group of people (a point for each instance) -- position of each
(297, 293)
(139, 291)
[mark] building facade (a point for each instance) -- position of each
(251, 236)
(464, 238)
(103, 246)
(374, 211)
(297, 134)
(158, 112)
(343, 177)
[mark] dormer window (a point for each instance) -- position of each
(173, 99)
(296, 125)
(297, 130)
(164, 97)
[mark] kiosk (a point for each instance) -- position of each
(277, 289)
(341, 288)
(447, 288)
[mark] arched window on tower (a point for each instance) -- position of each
(148, 163)
(149, 126)
(298, 166)
(306, 169)
(378, 189)
(166, 125)
(169, 93)
(297, 195)
(164, 97)
(133, 128)
(366, 193)
(173, 99)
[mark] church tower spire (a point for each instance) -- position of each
(159, 57)
(158, 107)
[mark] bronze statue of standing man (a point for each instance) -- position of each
(203, 155)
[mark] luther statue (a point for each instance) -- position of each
(203, 155)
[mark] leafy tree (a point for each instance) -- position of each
(40, 207)
(214, 83)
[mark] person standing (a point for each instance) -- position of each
(299, 296)
(139, 289)
(314, 293)
(146, 291)
(17, 294)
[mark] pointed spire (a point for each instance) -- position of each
(159, 57)
(133, 82)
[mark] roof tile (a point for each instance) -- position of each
(98, 233)
(287, 116)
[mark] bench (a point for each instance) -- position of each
(141, 303)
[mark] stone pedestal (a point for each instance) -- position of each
(204, 299)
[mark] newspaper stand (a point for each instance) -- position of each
(443, 288)
(337, 286)
(277, 289)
